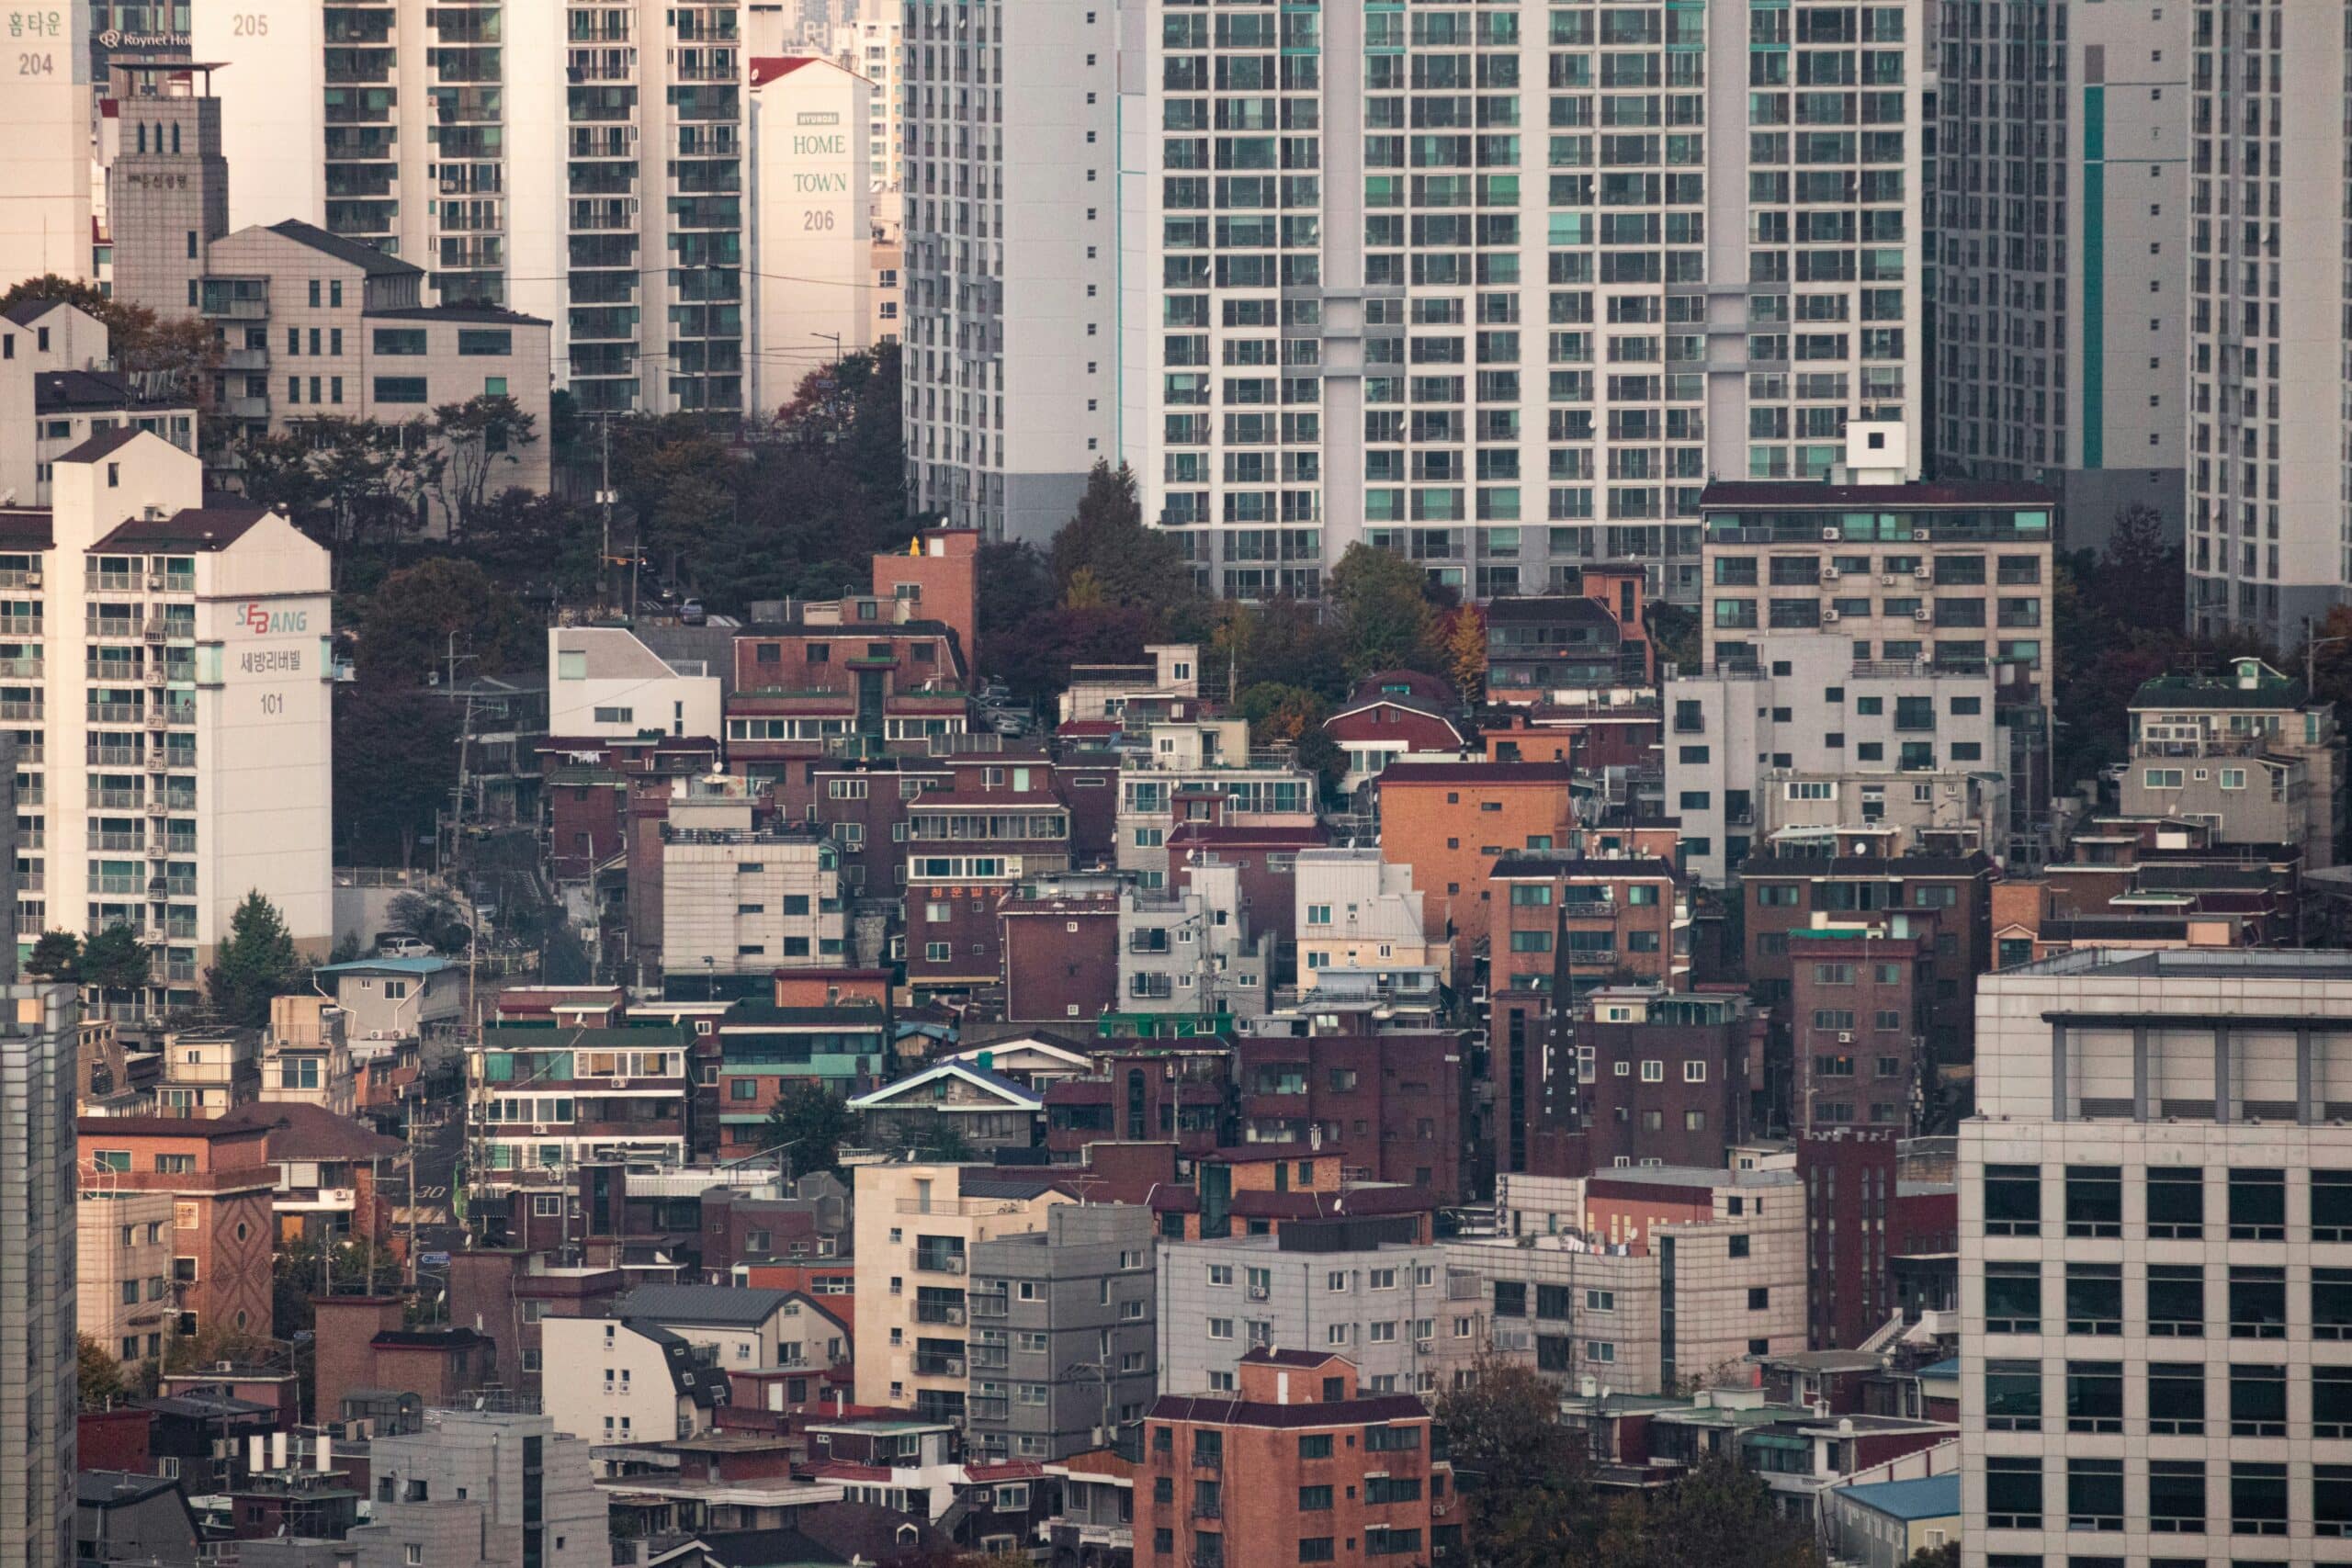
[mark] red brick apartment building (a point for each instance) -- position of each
(220, 1182)
(1140, 1094)
(1858, 1024)
(1564, 924)
(1296, 1465)
(1386, 1106)
(1450, 820)
(1061, 957)
(1000, 820)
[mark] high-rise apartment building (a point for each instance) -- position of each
(1498, 289)
(583, 163)
(37, 1220)
(47, 120)
(870, 46)
(1011, 256)
(2155, 1262)
(2270, 344)
(173, 741)
(2061, 319)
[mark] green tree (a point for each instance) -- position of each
(56, 957)
(1385, 621)
(1944, 1556)
(1674, 632)
(1106, 540)
(395, 764)
(406, 626)
(1526, 1482)
(355, 485)
(433, 918)
(98, 1380)
(812, 1122)
(114, 959)
(1719, 1515)
(257, 962)
(479, 437)
(946, 1143)
(180, 353)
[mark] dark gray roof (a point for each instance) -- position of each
(996, 1186)
(366, 258)
(485, 315)
(1548, 607)
(726, 1304)
(104, 443)
(113, 1488)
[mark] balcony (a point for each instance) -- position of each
(937, 1262)
(987, 1407)
(930, 1365)
(992, 1304)
(940, 1312)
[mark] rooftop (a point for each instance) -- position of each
(366, 258)
(1914, 495)
(191, 529)
(1936, 1497)
(2233, 963)
(709, 1304)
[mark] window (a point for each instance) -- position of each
(2013, 1396)
(2175, 1300)
(2257, 1402)
(2013, 1492)
(2331, 1304)
(400, 341)
(2332, 1206)
(2175, 1203)
(2176, 1398)
(2258, 1205)
(2331, 1402)
(2013, 1298)
(1315, 1445)
(2177, 1496)
(400, 389)
(2095, 1494)
(1759, 1298)
(2093, 1298)
(2257, 1303)
(2258, 1499)
(472, 341)
(2094, 1396)
(1314, 1499)
(1315, 1548)
(2012, 1199)
(2093, 1201)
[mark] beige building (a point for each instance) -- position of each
(917, 1224)
(209, 1072)
(885, 259)
(123, 1271)
(2248, 753)
(312, 324)
(870, 46)
(1649, 1280)
(743, 898)
(813, 209)
(182, 711)
(626, 1381)
(305, 1057)
(59, 388)
(47, 121)
(603, 682)
(1357, 911)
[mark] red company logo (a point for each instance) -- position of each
(258, 620)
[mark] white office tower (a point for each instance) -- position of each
(1011, 256)
(2155, 1262)
(38, 1043)
(2271, 341)
(1500, 287)
(2063, 322)
(578, 161)
(47, 116)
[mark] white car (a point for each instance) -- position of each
(402, 947)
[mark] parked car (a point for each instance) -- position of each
(390, 946)
(690, 614)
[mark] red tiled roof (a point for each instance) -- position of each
(1011, 1469)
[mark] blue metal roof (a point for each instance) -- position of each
(1936, 1497)
(390, 967)
(1947, 1367)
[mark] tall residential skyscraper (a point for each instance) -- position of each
(584, 163)
(2270, 343)
(2063, 312)
(47, 117)
(37, 1252)
(2155, 1262)
(1499, 287)
(1011, 255)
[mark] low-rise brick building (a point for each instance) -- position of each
(1858, 1024)
(1061, 954)
(1564, 924)
(1450, 820)
(224, 1233)
(1389, 1106)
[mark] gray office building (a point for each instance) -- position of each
(1361, 1287)
(1063, 1345)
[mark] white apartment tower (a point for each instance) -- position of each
(172, 710)
(48, 119)
(2063, 319)
(2270, 342)
(1496, 287)
(578, 161)
(2155, 1262)
(39, 1216)
(1012, 253)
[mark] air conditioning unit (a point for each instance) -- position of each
(1887, 580)
(1920, 614)
(33, 579)
(155, 582)
(1844, 1037)
(1831, 617)
(1828, 574)
(1923, 574)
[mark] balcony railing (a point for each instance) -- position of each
(930, 1262)
(939, 1311)
(936, 1365)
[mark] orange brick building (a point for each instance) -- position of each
(1295, 1466)
(220, 1182)
(1449, 820)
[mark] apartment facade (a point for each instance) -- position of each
(1356, 910)
(2268, 465)
(1063, 1348)
(482, 1486)
(1804, 739)
(2063, 306)
(194, 720)
(1449, 821)
(220, 1180)
(167, 185)
(812, 213)
(123, 1274)
(581, 164)
(744, 900)
(1340, 1287)
(2248, 752)
(39, 1303)
(917, 1226)
(1505, 368)
(1907, 578)
(2153, 1259)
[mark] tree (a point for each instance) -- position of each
(1526, 1479)
(1720, 1514)
(1106, 546)
(406, 626)
(1674, 633)
(811, 1122)
(395, 763)
(431, 918)
(1464, 642)
(257, 962)
(946, 1145)
(478, 437)
(114, 959)
(180, 353)
(98, 1380)
(56, 957)
(2138, 573)
(1944, 1556)
(355, 485)
(1384, 618)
